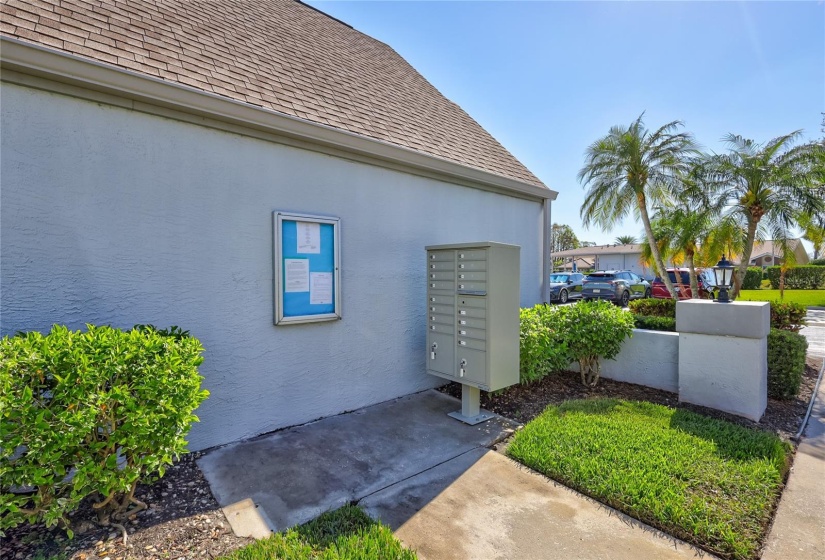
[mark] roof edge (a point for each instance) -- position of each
(150, 92)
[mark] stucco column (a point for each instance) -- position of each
(723, 355)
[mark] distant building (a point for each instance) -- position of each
(770, 253)
(606, 257)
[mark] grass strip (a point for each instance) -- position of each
(808, 298)
(344, 534)
(706, 481)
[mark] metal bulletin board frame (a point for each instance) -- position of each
(306, 258)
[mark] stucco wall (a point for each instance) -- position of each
(118, 217)
(649, 358)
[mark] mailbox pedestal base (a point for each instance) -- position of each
(471, 412)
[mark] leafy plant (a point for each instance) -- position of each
(788, 316)
(91, 414)
(542, 351)
(817, 262)
(654, 307)
(593, 330)
(652, 323)
(786, 363)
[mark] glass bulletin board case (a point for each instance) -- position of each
(306, 252)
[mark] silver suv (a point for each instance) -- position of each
(619, 286)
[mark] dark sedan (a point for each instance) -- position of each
(619, 286)
(566, 286)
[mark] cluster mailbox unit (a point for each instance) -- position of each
(473, 319)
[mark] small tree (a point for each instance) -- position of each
(593, 330)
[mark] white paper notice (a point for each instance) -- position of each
(309, 237)
(297, 275)
(320, 288)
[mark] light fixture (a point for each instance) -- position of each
(723, 273)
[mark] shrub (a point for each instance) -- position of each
(817, 262)
(753, 278)
(541, 351)
(91, 414)
(786, 363)
(650, 323)
(654, 307)
(592, 330)
(788, 316)
(807, 277)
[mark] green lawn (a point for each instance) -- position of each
(706, 481)
(805, 297)
(344, 534)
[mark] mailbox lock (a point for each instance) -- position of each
(433, 348)
(461, 276)
(461, 367)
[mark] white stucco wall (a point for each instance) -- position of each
(110, 216)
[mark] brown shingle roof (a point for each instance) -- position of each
(277, 54)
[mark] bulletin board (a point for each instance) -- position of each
(306, 268)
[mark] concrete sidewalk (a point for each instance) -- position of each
(433, 479)
(798, 530)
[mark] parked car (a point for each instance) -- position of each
(680, 277)
(566, 286)
(619, 286)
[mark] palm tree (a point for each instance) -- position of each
(625, 240)
(629, 167)
(767, 186)
(813, 229)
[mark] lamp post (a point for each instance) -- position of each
(723, 273)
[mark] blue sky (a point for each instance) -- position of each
(548, 78)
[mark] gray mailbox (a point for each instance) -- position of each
(473, 319)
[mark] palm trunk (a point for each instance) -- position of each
(739, 274)
(694, 282)
(654, 249)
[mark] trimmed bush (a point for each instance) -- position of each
(650, 323)
(654, 307)
(541, 349)
(817, 262)
(91, 414)
(592, 330)
(786, 363)
(753, 278)
(788, 316)
(806, 277)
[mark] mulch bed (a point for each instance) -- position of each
(184, 521)
(524, 402)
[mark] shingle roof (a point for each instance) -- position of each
(277, 54)
(771, 247)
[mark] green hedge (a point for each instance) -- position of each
(786, 363)
(542, 348)
(817, 262)
(806, 277)
(653, 307)
(111, 406)
(652, 323)
(753, 278)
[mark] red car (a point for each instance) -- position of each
(680, 277)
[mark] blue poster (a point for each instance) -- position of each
(307, 268)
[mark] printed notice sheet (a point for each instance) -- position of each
(309, 237)
(320, 288)
(297, 275)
